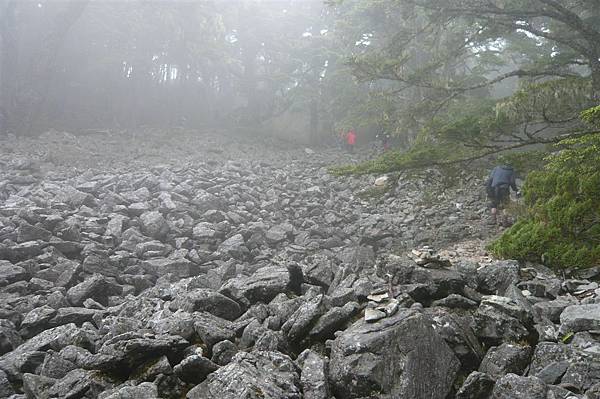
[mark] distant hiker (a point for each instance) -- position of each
(341, 139)
(351, 140)
(3, 124)
(498, 185)
(384, 137)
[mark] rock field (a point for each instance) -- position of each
(140, 267)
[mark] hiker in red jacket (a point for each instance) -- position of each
(351, 140)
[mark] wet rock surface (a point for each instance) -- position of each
(253, 273)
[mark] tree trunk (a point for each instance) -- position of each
(314, 120)
(43, 66)
(595, 67)
(8, 65)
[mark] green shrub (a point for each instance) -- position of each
(561, 227)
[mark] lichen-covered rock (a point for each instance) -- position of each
(313, 375)
(512, 386)
(262, 286)
(154, 225)
(265, 375)
(504, 359)
(580, 318)
(477, 386)
(205, 300)
(10, 273)
(392, 356)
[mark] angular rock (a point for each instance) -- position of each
(6, 389)
(27, 232)
(131, 349)
(262, 286)
(9, 337)
(145, 390)
(495, 278)
(194, 369)
(313, 375)
(212, 329)
(223, 352)
(265, 375)
(512, 386)
(154, 225)
(392, 357)
(298, 326)
(234, 246)
(96, 287)
(477, 386)
(78, 383)
(500, 319)
(577, 318)
(505, 359)
(10, 273)
(205, 300)
(179, 267)
(582, 375)
(74, 315)
(335, 319)
(37, 320)
(36, 386)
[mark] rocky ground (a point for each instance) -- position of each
(145, 266)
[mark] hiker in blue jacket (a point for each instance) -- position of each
(498, 185)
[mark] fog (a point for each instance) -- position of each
(77, 65)
(292, 199)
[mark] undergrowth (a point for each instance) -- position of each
(561, 225)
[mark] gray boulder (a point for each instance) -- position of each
(278, 233)
(36, 386)
(512, 386)
(96, 287)
(194, 369)
(456, 330)
(477, 386)
(212, 329)
(549, 354)
(401, 356)
(132, 349)
(582, 376)
(10, 273)
(223, 352)
(262, 286)
(81, 383)
(335, 319)
(313, 375)
(495, 278)
(9, 337)
(145, 390)
(300, 323)
(500, 319)
(504, 359)
(265, 375)
(154, 225)
(27, 232)
(6, 388)
(179, 267)
(577, 318)
(551, 310)
(234, 247)
(37, 320)
(205, 300)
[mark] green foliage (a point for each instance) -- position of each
(546, 102)
(374, 194)
(524, 162)
(562, 225)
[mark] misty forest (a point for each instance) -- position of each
(300, 199)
